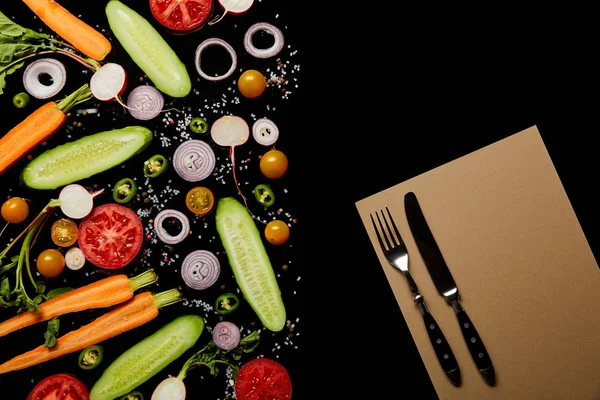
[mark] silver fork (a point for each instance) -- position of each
(396, 253)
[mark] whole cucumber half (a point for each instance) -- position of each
(148, 357)
(148, 50)
(250, 263)
(82, 158)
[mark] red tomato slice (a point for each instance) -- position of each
(263, 379)
(181, 15)
(59, 387)
(110, 236)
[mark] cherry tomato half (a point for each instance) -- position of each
(50, 263)
(252, 83)
(15, 210)
(273, 164)
(200, 200)
(64, 232)
(277, 232)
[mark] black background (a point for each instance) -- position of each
(285, 113)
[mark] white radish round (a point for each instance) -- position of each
(234, 7)
(74, 258)
(230, 131)
(76, 202)
(171, 388)
(109, 82)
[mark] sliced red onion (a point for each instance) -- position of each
(213, 42)
(263, 53)
(31, 78)
(200, 269)
(194, 160)
(226, 335)
(145, 102)
(265, 131)
(163, 234)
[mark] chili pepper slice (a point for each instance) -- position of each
(124, 190)
(198, 125)
(264, 195)
(135, 395)
(92, 356)
(155, 165)
(227, 303)
(200, 200)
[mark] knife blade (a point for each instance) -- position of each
(445, 284)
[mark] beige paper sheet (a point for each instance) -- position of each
(524, 270)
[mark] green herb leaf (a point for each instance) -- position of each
(13, 260)
(11, 29)
(7, 69)
(51, 332)
(57, 292)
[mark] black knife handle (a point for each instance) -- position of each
(476, 346)
(440, 345)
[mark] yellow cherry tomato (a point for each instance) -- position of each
(200, 200)
(64, 232)
(273, 164)
(277, 232)
(50, 263)
(15, 210)
(252, 83)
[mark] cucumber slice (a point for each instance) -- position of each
(148, 357)
(84, 157)
(148, 50)
(250, 263)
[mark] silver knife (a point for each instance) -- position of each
(442, 278)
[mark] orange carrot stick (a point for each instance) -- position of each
(106, 292)
(38, 127)
(135, 312)
(82, 36)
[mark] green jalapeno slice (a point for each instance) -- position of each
(264, 195)
(135, 395)
(90, 357)
(155, 165)
(124, 190)
(198, 125)
(227, 303)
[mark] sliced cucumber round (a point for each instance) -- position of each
(250, 263)
(148, 49)
(82, 158)
(148, 357)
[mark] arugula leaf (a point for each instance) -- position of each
(13, 261)
(57, 292)
(51, 332)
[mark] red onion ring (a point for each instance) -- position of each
(265, 132)
(200, 269)
(263, 53)
(145, 102)
(194, 160)
(213, 42)
(226, 335)
(163, 235)
(49, 66)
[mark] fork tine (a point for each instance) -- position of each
(383, 232)
(394, 225)
(377, 232)
(392, 237)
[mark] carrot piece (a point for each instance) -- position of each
(37, 127)
(79, 34)
(127, 316)
(103, 293)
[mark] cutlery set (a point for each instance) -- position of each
(395, 251)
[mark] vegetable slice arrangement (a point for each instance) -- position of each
(130, 197)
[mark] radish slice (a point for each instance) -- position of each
(171, 388)
(231, 131)
(38, 71)
(235, 7)
(145, 102)
(226, 335)
(200, 269)
(76, 202)
(108, 82)
(263, 53)
(216, 42)
(265, 131)
(162, 233)
(194, 160)
(74, 258)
